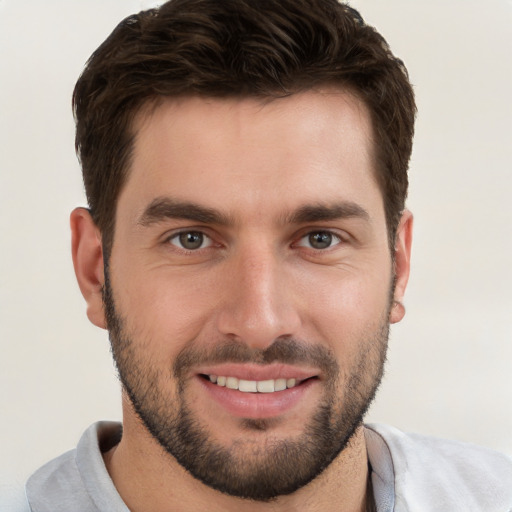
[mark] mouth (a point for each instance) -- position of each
(254, 386)
(259, 393)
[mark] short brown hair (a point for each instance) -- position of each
(219, 48)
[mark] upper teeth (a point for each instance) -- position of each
(253, 386)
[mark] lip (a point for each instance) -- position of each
(257, 405)
(259, 372)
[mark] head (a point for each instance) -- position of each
(245, 164)
(237, 48)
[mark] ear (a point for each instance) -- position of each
(88, 262)
(402, 265)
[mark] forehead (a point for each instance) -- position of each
(310, 147)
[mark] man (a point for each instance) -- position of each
(247, 246)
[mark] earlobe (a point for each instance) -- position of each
(402, 265)
(87, 254)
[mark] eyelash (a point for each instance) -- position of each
(331, 238)
(177, 236)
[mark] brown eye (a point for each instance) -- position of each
(190, 240)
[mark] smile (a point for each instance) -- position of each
(250, 392)
(253, 386)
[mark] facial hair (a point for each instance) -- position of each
(262, 469)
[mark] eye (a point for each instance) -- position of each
(190, 240)
(319, 240)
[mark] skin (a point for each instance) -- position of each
(256, 279)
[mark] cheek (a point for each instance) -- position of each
(348, 307)
(166, 306)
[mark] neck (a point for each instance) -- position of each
(147, 478)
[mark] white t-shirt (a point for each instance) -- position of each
(410, 473)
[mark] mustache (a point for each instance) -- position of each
(284, 350)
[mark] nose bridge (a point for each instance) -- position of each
(258, 309)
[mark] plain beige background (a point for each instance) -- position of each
(450, 359)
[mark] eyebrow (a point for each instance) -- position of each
(163, 208)
(327, 212)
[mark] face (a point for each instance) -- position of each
(249, 289)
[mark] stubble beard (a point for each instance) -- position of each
(255, 469)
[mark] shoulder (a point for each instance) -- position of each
(57, 475)
(14, 499)
(78, 479)
(466, 458)
(446, 473)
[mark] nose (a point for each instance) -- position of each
(258, 305)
